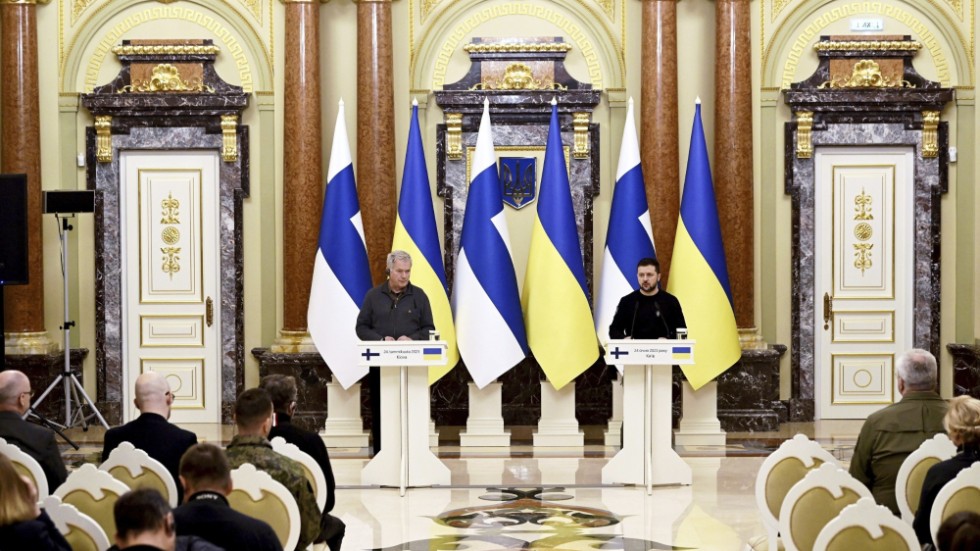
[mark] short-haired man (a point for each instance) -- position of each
(151, 431)
(206, 477)
(253, 417)
(282, 390)
(37, 442)
(144, 521)
(394, 310)
(889, 435)
(648, 312)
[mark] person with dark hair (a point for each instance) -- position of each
(253, 418)
(37, 442)
(890, 434)
(282, 390)
(144, 521)
(23, 525)
(206, 477)
(648, 312)
(959, 532)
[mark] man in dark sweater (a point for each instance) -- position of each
(206, 478)
(282, 390)
(649, 312)
(37, 442)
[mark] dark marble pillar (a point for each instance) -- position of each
(658, 124)
(375, 130)
(732, 168)
(966, 369)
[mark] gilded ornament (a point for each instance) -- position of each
(518, 76)
(166, 49)
(171, 260)
(580, 125)
(166, 78)
(862, 256)
(171, 210)
(862, 206)
(170, 235)
(229, 141)
(867, 45)
(454, 136)
(930, 134)
(866, 74)
(518, 48)
(103, 138)
(863, 231)
(804, 128)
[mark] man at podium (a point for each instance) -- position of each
(649, 312)
(394, 310)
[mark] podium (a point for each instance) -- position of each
(647, 456)
(405, 458)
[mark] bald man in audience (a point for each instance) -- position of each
(151, 431)
(37, 442)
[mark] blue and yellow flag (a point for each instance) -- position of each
(415, 233)
(559, 323)
(698, 272)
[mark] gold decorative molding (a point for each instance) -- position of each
(103, 138)
(804, 128)
(454, 136)
(518, 48)
(171, 210)
(170, 235)
(930, 134)
(229, 139)
(862, 256)
(580, 124)
(166, 78)
(862, 206)
(166, 49)
(867, 45)
(866, 74)
(518, 76)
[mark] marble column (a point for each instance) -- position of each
(302, 170)
(733, 149)
(375, 130)
(658, 124)
(20, 152)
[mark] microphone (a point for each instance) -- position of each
(636, 308)
(656, 306)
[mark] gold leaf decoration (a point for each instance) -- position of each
(171, 260)
(863, 231)
(518, 76)
(166, 78)
(866, 74)
(170, 235)
(862, 206)
(171, 210)
(862, 256)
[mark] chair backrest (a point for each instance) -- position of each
(867, 526)
(258, 495)
(136, 469)
(27, 466)
(94, 493)
(311, 469)
(960, 494)
(813, 502)
(81, 531)
(781, 470)
(908, 482)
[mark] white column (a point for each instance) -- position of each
(558, 425)
(344, 427)
(614, 430)
(485, 423)
(433, 434)
(699, 424)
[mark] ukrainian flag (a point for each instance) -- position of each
(415, 233)
(698, 272)
(559, 323)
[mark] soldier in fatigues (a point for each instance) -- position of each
(253, 416)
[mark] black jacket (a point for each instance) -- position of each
(37, 442)
(647, 317)
(310, 443)
(936, 477)
(39, 534)
(207, 515)
(384, 314)
(159, 438)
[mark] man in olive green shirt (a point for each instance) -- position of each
(892, 433)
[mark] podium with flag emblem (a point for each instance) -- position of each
(647, 456)
(405, 458)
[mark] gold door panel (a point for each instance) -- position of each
(864, 235)
(170, 235)
(862, 378)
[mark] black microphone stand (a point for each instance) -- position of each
(34, 415)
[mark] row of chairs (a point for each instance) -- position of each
(809, 503)
(81, 508)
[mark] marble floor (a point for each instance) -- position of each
(523, 497)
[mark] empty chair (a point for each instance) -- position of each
(867, 526)
(94, 493)
(779, 472)
(136, 469)
(27, 466)
(257, 495)
(908, 481)
(814, 501)
(311, 469)
(81, 531)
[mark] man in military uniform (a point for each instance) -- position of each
(253, 417)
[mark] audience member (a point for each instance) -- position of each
(962, 422)
(282, 390)
(206, 477)
(151, 431)
(253, 417)
(23, 525)
(959, 532)
(145, 522)
(37, 442)
(892, 433)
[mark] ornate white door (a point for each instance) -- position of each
(863, 283)
(170, 277)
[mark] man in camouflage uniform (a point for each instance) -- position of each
(253, 417)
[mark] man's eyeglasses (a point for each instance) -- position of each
(29, 393)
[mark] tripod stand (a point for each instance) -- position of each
(73, 389)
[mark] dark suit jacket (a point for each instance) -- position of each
(37, 442)
(311, 443)
(207, 515)
(160, 439)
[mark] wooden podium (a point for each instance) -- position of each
(647, 456)
(405, 458)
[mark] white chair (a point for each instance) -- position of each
(908, 481)
(94, 493)
(779, 472)
(960, 494)
(867, 526)
(311, 469)
(27, 466)
(813, 502)
(258, 495)
(81, 531)
(136, 469)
